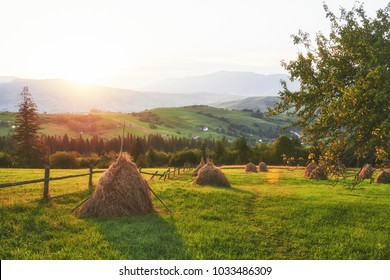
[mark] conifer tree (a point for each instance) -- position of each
(28, 147)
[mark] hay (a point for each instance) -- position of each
(211, 175)
(319, 173)
(339, 169)
(383, 177)
(309, 169)
(201, 164)
(263, 167)
(366, 172)
(121, 191)
(250, 167)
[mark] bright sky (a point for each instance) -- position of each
(130, 43)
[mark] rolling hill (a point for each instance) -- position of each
(189, 122)
(61, 96)
(260, 103)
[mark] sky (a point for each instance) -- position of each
(132, 43)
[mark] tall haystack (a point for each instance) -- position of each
(211, 175)
(366, 172)
(200, 165)
(309, 169)
(319, 173)
(250, 167)
(263, 167)
(121, 191)
(383, 177)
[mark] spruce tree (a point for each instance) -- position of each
(28, 147)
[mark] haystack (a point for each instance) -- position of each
(263, 167)
(211, 175)
(383, 177)
(201, 164)
(250, 167)
(319, 173)
(121, 191)
(339, 169)
(309, 169)
(366, 172)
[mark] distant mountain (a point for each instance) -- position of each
(59, 96)
(225, 82)
(5, 79)
(260, 103)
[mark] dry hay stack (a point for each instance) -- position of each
(383, 177)
(211, 175)
(366, 172)
(309, 169)
(121, 191)
(319, 173)
(250, 167)
(263, 167)
(199, 167)
(339, 169)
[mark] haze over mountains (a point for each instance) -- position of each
(217, 89)
(225, 82)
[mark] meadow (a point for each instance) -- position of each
(178, 121)
(277, 215)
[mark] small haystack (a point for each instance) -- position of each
(201, 164)
(383, 177)
(319, 173)
(339, 169)
(250, 167)
(366, 172)
(211, 175)
(309, 169)
(263, 167)
(121, 191)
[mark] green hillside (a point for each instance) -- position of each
(6, 122)
(191, 121)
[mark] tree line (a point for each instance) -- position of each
(150, 151)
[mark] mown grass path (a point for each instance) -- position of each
(289, 218)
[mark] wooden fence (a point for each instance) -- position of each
(167, 174)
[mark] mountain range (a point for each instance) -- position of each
(225, 82)
(232, 90)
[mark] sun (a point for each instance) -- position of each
(83, 75)
(76, 54)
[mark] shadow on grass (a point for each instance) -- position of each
(143, 237)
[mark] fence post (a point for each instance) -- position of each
(90, 184)
(46, 183)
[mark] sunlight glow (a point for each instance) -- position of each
(131, 43)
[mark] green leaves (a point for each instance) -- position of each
(345, 84)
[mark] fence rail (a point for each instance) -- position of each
(46, 179)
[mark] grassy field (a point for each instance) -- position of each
(180, 122)
(275, 215)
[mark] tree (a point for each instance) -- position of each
(29, 150)
(344, 96)
(241, 146)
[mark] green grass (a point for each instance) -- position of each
(275, 215)
(180, 122)
(6, 121)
